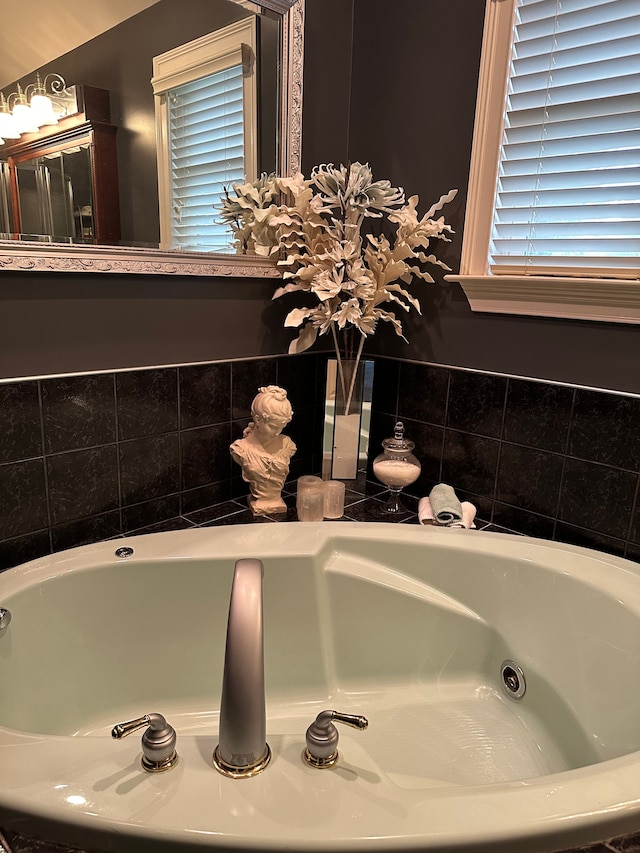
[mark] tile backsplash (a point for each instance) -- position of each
(543, 459)
(90, 457)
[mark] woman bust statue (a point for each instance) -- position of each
(263, 453)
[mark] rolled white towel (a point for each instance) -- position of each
(425, 515)
(445, 504)
(468, 516)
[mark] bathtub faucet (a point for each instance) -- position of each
(243, 750)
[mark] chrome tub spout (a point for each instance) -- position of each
(243, 750)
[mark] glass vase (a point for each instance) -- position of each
(347, 418)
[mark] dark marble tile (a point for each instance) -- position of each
(381, 427)
(529, 479)
(178, 523)
(20, 432)
(26, 844)
(537, 414)
(83, 483)
(246, 378)
(469, 462)
(23, 507)
(497, 528)
(238, 488)
(302, 431)
(84, 531)
(298, 375)
(299, 466)
(205, 455)
(205, 394)
(238, 428)
(606, 428)
(363, 484)
(245, 516)
(516, 519)
(627, 844)
(635, 523)
(149, 467)
(373, 509)
(147, 402)
(483, 504)
(423, 392)
(216, 512)
(14, 552)
(361, 491)
(428, 440)
(597, 498)
(633, 552)
(78, 412)
(150, 512)
(476, 403)
(204, 496)
(386, 382)
(588, 539)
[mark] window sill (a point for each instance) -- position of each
(607, 300)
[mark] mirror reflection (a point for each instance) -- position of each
(54, 195)
(121, 61)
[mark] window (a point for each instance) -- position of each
(553, 215)
(205, 96)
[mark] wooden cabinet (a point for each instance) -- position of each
(63, 180)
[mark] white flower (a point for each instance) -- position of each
(317, 226)
(348, 312)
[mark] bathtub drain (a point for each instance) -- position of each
(513, 679)
(124, 552)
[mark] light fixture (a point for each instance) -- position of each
(7, 124)
(40, 104)
(21, 112)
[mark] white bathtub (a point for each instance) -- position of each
(407, 625)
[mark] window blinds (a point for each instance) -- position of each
(206, 144)
(568, 193)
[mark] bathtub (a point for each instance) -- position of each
(500, 676)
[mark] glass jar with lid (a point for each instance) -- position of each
(396, 467)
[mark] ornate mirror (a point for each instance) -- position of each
(49, 256)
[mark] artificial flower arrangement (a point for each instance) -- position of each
(317, 226)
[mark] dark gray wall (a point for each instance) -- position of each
(409, 111)
(415, 71)
(327, 82)
(58, 323)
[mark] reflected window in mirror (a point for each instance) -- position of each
(206, 128)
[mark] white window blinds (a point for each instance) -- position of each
(568, 192)
(206, 145)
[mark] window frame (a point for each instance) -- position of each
(232, 45)
(607, 299)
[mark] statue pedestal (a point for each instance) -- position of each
(266, 507)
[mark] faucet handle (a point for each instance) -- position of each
(158, 741)
(322, 737)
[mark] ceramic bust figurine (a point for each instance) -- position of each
(263, 453)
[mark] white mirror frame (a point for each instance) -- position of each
(56, 257)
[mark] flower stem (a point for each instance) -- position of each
(340, 368)
(354, 374)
